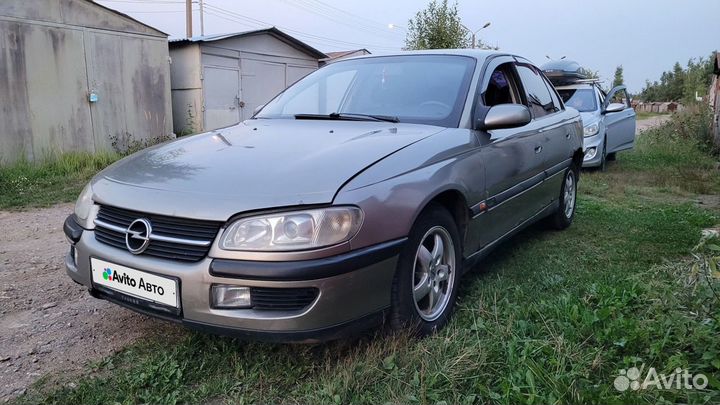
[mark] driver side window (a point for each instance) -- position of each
(502, 88)
(622, 98)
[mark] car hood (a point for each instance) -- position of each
(589, 117)
(257, 164)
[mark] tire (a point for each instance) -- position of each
(611, 157)
(563, 217)
(423, 316)
(603, 158)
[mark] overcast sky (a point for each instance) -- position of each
(645, 36)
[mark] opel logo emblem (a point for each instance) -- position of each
(137, 236)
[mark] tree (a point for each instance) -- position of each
(438, 26)
(677, 84)
(590, 74)
(618, 80)
(681, 84)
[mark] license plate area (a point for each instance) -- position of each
(135, 287)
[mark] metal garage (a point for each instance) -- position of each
(76, 76)
(218, 80)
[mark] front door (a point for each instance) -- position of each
(222, 97)
(619, 126)
(513, 160)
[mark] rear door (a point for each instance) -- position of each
(619, 126)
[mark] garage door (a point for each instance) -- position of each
(221, 97)
(261, 81)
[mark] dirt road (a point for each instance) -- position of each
(650, 122)
(48, 324)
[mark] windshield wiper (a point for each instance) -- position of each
(347, 117)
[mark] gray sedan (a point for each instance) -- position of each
(359, 195)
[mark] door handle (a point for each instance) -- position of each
(538, 149)
(567, 135)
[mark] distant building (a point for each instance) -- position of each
(335, 56)
(219, 80)
(77, 76)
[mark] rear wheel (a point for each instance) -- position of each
(425, 285)
(565, 213)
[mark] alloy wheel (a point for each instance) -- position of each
(433, 273)
(569, 194)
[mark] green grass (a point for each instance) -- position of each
(667, 164)
(642, 115)
(550, 317)
(54, 180)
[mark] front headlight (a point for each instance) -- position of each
(84, 204)
(297, 230)
(592, 129)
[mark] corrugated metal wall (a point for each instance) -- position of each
(52, 56)
(220, 83)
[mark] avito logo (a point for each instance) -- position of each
(107, 274)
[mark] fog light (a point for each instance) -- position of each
(230, 296)
(590, 153)
(74, 253)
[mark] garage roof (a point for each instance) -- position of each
(271, 31)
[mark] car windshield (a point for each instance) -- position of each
(582, 100)
(424, 89)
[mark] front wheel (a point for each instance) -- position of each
(603, 158)
(565, 213)
(426, 280)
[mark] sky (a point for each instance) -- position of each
(646, 37)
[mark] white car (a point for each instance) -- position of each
(608, 119)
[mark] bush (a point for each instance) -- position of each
(694, 123)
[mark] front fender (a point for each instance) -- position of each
(392, 205)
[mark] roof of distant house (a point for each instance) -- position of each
(340, 54)
(272, 31)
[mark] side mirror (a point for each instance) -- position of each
(614, 107)
(504, 116)
(257, 109)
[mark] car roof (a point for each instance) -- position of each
(479, 54)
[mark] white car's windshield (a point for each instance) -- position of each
(582, 100)
(426, 89)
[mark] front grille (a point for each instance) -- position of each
(180, 229)
(282, 299)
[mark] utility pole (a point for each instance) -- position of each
(202, 20)
(188, 18)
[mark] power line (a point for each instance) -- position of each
(364, 20)
(255, 25)
(338, 19)
(155, 11)
(209, 11)
(317, 38)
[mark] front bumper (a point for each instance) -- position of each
(353, 289)
(595, 142)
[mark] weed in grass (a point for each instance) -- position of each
(50, 181)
